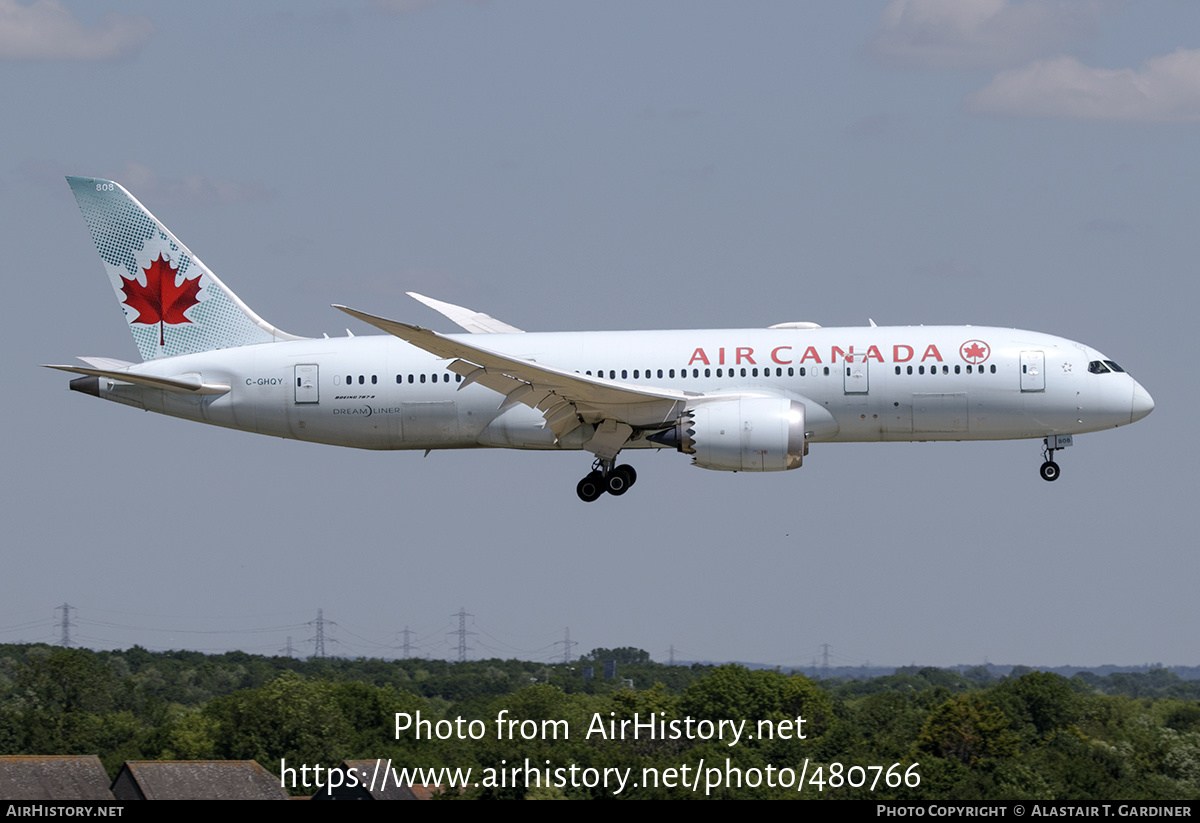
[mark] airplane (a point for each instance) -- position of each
(749, 400)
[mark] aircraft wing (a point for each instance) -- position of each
(566, 399)
(476, 322)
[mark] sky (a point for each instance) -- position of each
(624, 165)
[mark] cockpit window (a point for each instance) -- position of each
(1097, 367)
(1114, 366)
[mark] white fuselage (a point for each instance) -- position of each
(858, 384)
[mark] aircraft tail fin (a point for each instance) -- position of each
(172, 302)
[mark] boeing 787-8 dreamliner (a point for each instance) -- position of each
(731, 399)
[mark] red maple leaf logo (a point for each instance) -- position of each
(160, 300)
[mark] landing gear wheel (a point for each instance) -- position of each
(620, 479)
(590, 487)
(1050, 470)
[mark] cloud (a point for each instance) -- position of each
(47, 31)
(190, 190)
(147, 185)
(692, 174)
(1104, 225)
(1164, 90)
(946, 270)
(872, 125)
(979, 33)
(676, 113)
(409, 6)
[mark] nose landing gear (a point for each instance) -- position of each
(605, 476)
(1050, 470)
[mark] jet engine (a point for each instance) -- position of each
(751, 434)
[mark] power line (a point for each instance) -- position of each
(567, 643)
(462, 633)
(65, 625)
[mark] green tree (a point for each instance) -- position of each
(967, 729)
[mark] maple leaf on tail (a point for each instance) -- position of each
(160, 300)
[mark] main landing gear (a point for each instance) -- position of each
(1050, 470)
(605, 477)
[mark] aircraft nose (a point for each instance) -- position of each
(1143, 403)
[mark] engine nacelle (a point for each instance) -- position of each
(750, 434)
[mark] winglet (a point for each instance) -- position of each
(476, 322)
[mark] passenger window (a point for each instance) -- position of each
(624, 374)
(672, 372)
(635, 374)
(826, 371)
(422, 378)
(374, 379)
(361, 380)
(660, 373)
(993, 368)
(708, 372)
(910, 369)
(958, 369)
(897, 370)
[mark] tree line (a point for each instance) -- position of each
(971, 735)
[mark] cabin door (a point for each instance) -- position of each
(1033, 371)
(856, 374)
(306, 383)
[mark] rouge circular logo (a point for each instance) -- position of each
(974, 351)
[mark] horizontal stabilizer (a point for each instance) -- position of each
(111, 363)
(184, 383)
